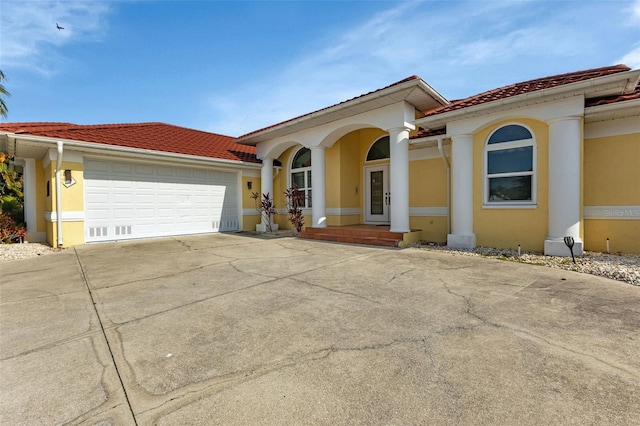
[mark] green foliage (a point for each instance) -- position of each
(3, 93)
(11, 202)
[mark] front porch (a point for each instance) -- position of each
(373, 235)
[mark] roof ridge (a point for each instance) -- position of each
(404, 80)
(528, 86)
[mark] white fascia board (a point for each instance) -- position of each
(432, 92)
(385, 117)
(593, 111)
(602, 86)
(262, 136)
(104, 149)
(614, 127)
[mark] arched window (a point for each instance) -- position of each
(510, 167)
(379, 150)
(301, 173)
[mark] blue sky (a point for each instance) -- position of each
(234, 67)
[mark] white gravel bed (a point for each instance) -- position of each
(621, 267)
(9, 252)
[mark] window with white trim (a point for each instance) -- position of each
(379, 150)
(301, 174)
(510, 167)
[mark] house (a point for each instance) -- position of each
(523, 165)
(526, 164)
(125, 181)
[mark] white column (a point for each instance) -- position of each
(30, 216)
(318, 188)
(462, 235)
(266, 187)
(565, 179)
(399, 179)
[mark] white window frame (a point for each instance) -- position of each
(371, 146)
(500, 146)
(305, 208)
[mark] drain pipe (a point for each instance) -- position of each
(446, 163)
(59, 193)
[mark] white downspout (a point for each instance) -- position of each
(446, 163)
(59, 193)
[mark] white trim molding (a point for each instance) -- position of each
(67, 216)
(345, 211)
(612, 212)
(428, 211)
(604, 129)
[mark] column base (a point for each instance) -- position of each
(557, 247)
(461, 241)
(261, 227)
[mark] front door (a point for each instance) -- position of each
(377, 195)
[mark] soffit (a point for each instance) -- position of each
(412, 90)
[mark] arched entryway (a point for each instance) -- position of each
(377, 196)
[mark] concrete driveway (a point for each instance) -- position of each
(232, 329)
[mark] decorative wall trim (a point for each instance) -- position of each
(612, 212)
(67, 216)
(352, 211)
(346, 211)
(307, 212)
(428, 211)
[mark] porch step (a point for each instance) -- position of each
(368, 235)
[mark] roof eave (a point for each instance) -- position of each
(593, 113)
(306, 121)
(100, 148)
(601, 86)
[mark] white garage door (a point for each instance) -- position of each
(125, 200)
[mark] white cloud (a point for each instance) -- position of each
(456, 43)
(634, 13)
(29, 35)
(632, 59)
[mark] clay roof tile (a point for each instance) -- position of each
(149, 136)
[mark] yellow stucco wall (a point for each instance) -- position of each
(41, 197)
(249, 222)
(611, 178)
(72, 201)
(624, 235)
(508, 227)
(345, 189)
(612, 171)
(427, 183)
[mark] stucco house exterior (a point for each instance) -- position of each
(526, 164)
(92, 183)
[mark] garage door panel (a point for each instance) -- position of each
(130, 200)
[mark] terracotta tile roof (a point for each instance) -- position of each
(613, 99)
(151, 136)
(527, 87)
(413, 77)
(423, 133)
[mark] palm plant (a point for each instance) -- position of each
(3, 93)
